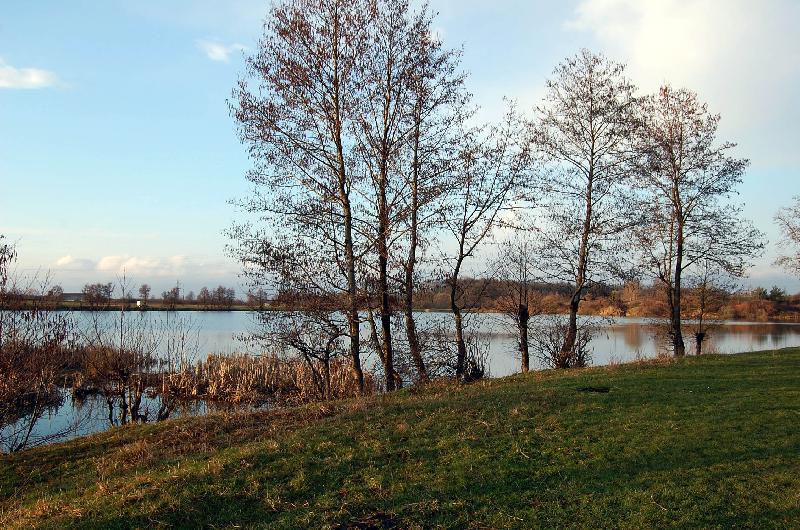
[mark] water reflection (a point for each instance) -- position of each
(620, 340)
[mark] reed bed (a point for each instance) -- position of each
(242, 378)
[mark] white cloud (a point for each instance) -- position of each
(74, 264)
(217, 51)
(740, 56)
(25, 78)
(143, 266)
(129, 265)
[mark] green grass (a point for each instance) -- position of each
(711, 442)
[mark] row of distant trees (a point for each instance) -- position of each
(371, 174)
(219, 297)
(101, 294)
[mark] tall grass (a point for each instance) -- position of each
(242, 378)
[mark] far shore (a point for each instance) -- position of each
(788, 318)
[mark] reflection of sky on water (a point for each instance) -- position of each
(617, 340)
(620, 340)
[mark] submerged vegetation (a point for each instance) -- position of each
(686, 443)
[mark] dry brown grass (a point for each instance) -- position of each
(249, 379)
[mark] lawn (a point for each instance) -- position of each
(708, 442)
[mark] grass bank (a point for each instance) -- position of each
(701, 442)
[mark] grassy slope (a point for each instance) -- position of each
(703, 442)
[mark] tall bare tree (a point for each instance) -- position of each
(383, 128)
(298, 118)
(439, 106)
(491, 166)
(788, 220)
(687, 178)
(414, 104)
(583, 131)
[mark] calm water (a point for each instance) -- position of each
(617, 340)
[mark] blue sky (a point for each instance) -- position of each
(117, 150)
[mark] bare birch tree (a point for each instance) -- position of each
(687, 178)
(491, 166)
(583, 131)
(414, 102)
(439, 105)
(297, 119)
(383, 128)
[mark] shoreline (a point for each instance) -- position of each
(792, 318)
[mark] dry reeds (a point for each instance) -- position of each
(244, 378)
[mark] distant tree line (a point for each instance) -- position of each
(101, 295)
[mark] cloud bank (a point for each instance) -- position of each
(129, 265)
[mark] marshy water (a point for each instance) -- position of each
(617, 340)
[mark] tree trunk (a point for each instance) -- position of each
(678, 346)
(461, 345)
(571, 336)
(386, 326)
(411, 328)
(523, 315)
(327, 373)
(699, 337)
(344, 198)
(383, 266)
(352, 292)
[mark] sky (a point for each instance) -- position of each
(117, 151)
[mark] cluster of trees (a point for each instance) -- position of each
(775, 294)
(219, 297)
(102, 295)
(370, 176)
(98, 293)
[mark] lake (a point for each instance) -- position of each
(618, 340)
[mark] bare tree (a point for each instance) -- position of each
(314, 330)
(687, 178)
(98, 294)
(297, 119)
(204, 298)
(413, 104)
(382, 131)
(55, 294)
(583, 132)
(171, 297)
(516, 269)
(34, 350)
(788, 220)
(709, 290)
(439, 106)
(490, 166)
